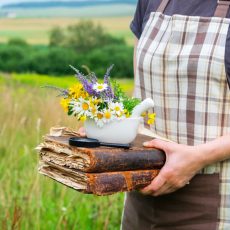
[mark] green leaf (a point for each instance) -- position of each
(70, 112)
(131, 103)
(118, 91)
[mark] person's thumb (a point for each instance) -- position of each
(82, 132)
(158, 144)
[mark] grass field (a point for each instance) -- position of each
(29, 201)
(36, 30)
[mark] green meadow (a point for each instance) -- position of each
(28, 200)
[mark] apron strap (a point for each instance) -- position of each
(222, 8)
(162, 6)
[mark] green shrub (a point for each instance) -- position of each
(57, 37)
(83, 37)
(17, 42)
(119, 55)
(56, 60)
(13, 58)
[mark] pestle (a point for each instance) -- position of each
(142, 107)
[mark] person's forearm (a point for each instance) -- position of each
(216, 150)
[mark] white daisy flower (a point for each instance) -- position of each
(100, 87)
(117, 108)
(93, 108)
(93, 111)
(80, 107)
(99, 119)
(108, 116)
(85, 105)
(76, 108)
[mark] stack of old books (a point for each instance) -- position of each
(100, 171)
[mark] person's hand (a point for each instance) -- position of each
(182, 163)
(81, 131)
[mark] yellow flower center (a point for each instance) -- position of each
(99, 116)
(107, 115)
(100, 87)
(117, 108)
(85, 106)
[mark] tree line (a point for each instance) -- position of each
(83, 44)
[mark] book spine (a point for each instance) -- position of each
(108, 161)
(109, 183)
(126, 161)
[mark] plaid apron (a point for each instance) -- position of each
(180, 65)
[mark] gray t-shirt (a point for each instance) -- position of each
(205, 8)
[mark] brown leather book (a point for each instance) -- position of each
(57, 150)
(98, 183)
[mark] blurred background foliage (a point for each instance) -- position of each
(37, 45)
(84, 43)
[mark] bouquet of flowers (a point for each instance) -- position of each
(102, 102)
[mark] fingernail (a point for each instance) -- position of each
(83, 134)
(146, 144)
(144, 189)
(155, 194)
(145, 192)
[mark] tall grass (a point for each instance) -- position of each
(30, 201)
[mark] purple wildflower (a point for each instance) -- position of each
(88, 86)
(89, 83)
(107, 75)
(109, 91)
(93, 78)
(63, 92)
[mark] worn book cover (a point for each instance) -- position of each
(57, 150)
(98, 183)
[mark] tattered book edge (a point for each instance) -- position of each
(59, 177)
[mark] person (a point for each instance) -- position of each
(182, 62)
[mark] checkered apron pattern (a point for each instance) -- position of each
(180, 65)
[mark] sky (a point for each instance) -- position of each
(2, 2)
(11, 1)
